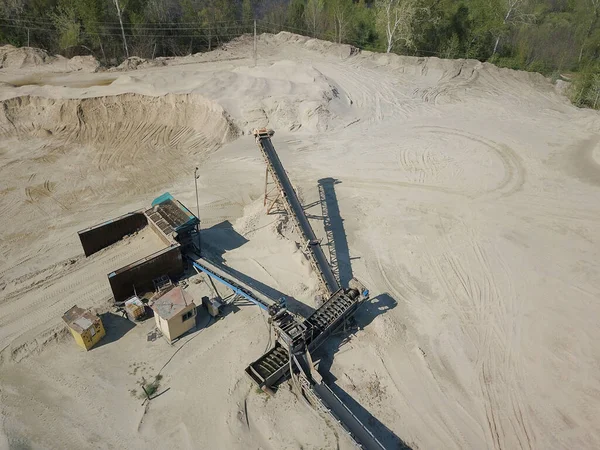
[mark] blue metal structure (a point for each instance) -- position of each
(235, 286)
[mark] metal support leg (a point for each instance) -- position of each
(273, 203)
(266, 183)
(214, 288)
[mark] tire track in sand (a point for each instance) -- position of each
(484, 300)
(514, 170)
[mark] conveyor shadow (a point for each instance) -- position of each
(366, 313)
(334, 229)
(387, 437)
(221, 238)
(341, 262)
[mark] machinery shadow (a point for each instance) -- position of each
(221, 238)
(334, 229)
(341, 263)
(116, 326)
(383, 434)
(366, 313)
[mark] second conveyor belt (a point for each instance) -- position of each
(294, 207)
(239, 287)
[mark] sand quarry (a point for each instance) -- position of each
(470, 199)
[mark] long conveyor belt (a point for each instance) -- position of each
(294, 207)
(240, 288)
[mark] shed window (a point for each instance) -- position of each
(188, 315)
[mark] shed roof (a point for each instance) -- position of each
(79, 319)
(172, 303)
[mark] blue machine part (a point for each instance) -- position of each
(162, 198)
(235, 289)
(191, 221)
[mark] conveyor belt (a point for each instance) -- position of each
(294, 208)
(325, 320)
(237, 286)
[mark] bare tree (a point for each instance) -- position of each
(314, 15)
(342, 12)
(397, 18)
(515, 13)
(119, 13)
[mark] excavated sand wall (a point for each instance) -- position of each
(122, 120)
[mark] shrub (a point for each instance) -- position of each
(585, 90)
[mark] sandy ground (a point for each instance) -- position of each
(469, 198)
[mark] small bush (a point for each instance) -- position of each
(539, 66)
(152, 387)
(585, 90)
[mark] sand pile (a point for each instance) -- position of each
(83, 63)
(432, 79)
(135, 62)
(318, 46)
(18, 58)
(283, 95)
(13, 58)
(451, 81)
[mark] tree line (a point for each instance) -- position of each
(559, 38)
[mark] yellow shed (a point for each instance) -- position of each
(86, 328)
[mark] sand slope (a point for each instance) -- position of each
(470, 203)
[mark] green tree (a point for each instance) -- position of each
(295, 16)
(364, 34)
(585, 91)
(69, 30)
(247, 14)
(588, 17)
